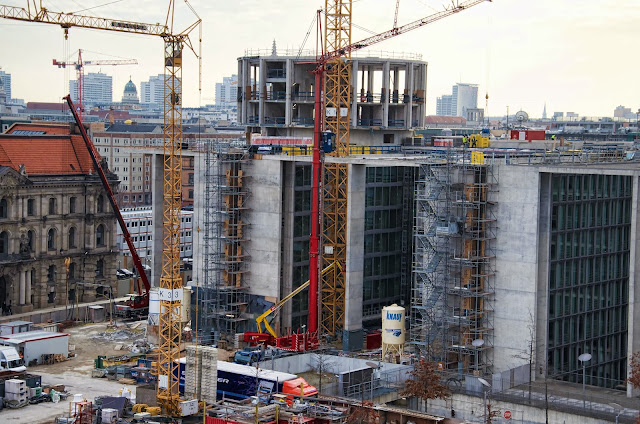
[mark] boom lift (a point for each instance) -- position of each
(136, 305)
(170, 281)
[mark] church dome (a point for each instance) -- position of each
(130, 87)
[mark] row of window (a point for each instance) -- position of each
(382, 219)
(385, 174)
(570, 330)
(380, 289)
(567, 188)
(380, 266)
(383, 196)
(588, 270)
(587, 298)
(591, 214)
(53, 241)
(589, 242)
(52, 206)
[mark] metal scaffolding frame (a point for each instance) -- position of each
(224, 297)
(453, 263)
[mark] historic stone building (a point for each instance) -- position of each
(57, 228)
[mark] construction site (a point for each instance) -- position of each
(338, 246)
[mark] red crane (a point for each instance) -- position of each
(79, 65)
(137, 305)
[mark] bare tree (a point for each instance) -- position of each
(322, 363)
(425, 383)
(364, 413)
(527, 353)
(491, 413)
(634, 375)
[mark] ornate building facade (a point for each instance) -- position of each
(57, 228)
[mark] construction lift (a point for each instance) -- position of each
(334, 74)
(170, 281)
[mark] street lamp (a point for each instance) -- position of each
(477, 343)
(584, 358)
(618, 408)
(486, 388)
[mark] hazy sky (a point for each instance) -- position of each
(578, 56)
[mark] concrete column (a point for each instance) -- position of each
(410, 85)
(28, 288)
(288, 108)
(262, 88)
(353, 334)
(157, 185)
(355, 93)
(633, 333)
(386, 94)
(22, 288)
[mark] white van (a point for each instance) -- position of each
(10, 360)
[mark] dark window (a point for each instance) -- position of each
(100, 268)
(4, 208)
(100, 235)
(388, 138)
(51, 239)
(72, 237)
(190, 179)
(190, 194)
(72, 205)
(4, 243)
(72, 270)
(31, 235)
(52, 205)
(51, 274)
(31, 207)
(100, 204)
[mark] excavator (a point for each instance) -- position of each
(137, 304)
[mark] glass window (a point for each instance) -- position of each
(52, 206)
(100, 236)
(72, 205)
(31, 207)
(51, 239)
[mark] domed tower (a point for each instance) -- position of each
(130, 95)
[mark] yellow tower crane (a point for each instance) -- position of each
(336, 119)
(170, 280)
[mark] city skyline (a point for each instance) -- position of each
(524, 54)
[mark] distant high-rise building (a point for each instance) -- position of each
(6, 84)
(152, 92)
(98, 89)
(463, 97)
(130, 95)
(544, 112)
(227, 91)
(624, 112)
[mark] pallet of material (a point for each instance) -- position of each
(127, 381)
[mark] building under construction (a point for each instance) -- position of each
(453, 266)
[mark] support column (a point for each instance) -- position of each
(22, 288)
(28, 290)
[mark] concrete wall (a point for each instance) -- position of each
(514, 302)
(265, 221)
(471, 408)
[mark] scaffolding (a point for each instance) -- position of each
(454, 260)
(224, 296)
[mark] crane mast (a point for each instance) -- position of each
(170, 282)
(336, 118)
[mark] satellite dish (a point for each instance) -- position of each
(522, 116)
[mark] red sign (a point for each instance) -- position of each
(507, 414)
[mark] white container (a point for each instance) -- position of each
(109, 415)
(15, 386)
(393, 331)
(141, 415)
(20, 397)
(189, 407)
(78, 398)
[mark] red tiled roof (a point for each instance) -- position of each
(48, 106)
(60, 129)
(48, 154)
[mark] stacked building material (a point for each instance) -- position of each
(209, 380)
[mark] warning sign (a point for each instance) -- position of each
(507, 414)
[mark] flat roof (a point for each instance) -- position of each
(29, 336)
(15, 323)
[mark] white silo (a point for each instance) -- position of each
(393, 332)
